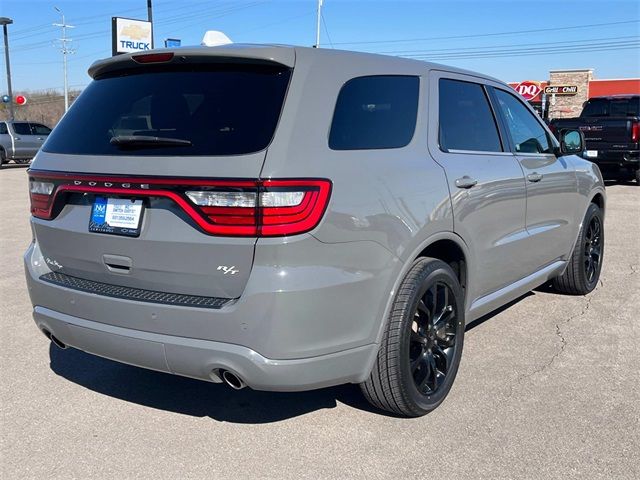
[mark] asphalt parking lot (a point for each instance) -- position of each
(548, 388)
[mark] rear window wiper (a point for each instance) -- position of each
(145, 141)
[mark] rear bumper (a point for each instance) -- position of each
(617, 158)
(204, 359)
(300, 324)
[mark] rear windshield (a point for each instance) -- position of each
(612, 107)
(214, 109)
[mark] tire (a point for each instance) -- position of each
(583, 272)
(637, 176)
(3, 157)
(403, 380)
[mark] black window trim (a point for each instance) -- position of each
(501, 137)
(512, 146)
(376, 75)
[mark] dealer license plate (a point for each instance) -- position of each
(118, 216)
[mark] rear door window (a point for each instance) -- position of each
(212, 109)
(465, 117)
(22, 128)
(526, 131)
(39, 129)
(375, 112)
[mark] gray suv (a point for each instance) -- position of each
(290, 218)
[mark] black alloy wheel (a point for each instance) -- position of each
(585, 264)
(421, 345)
(593, 249)
(433, 338)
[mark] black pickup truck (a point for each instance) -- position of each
(611, 126)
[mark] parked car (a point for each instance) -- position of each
(20, 141)
(294, 218)
(611, 126)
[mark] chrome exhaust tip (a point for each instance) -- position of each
(233, 380)
(54, 339)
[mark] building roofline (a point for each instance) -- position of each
(572, 70)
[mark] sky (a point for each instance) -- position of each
(512, 40)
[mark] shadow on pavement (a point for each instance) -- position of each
(203, 399)
(194, 397)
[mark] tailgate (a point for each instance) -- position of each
(606, 133)
(149, 181)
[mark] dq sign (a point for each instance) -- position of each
(528, 90)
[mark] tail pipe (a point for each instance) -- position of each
(233, 380)
(54, 339)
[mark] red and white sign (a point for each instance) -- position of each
(528, 90)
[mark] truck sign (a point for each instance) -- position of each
(129, 35)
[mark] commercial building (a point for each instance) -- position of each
(564, 94)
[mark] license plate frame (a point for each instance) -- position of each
(116, 216)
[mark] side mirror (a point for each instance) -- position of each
(571, 141)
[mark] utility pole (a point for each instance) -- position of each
(150, 18)
(317, 45)
(65, 51)
(4, 21)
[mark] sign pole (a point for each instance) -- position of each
(150, 18)
(5, 22)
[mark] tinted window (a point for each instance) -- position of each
(466, 120)
(21, 128)
(526, 132)
(375, 112)
(38, 129)
(220, 109)
(603, 107)
(3, 128)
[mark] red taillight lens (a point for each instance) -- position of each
(275, 208)
(635, 131)
(40, 193)
(245, 208)
(289, 207)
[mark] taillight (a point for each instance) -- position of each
(41, 198)
(635, 131)
(274, 208)
(249, 208)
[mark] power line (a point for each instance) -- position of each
(324, 23)
(530, 52)
(495, 34)
(484, 47)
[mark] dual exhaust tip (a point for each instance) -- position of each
(54, 339)
(233, 380)
(228, 377)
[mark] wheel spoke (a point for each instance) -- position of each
(433, 370)
(428, 372)
(445, 355)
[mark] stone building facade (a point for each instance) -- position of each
(565, 106)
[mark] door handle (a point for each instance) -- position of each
(534, 177)
(466, 182)
(40, 138)
(16, 138)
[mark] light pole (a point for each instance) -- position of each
(65, 51)
(4, 21)
(318, 19)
